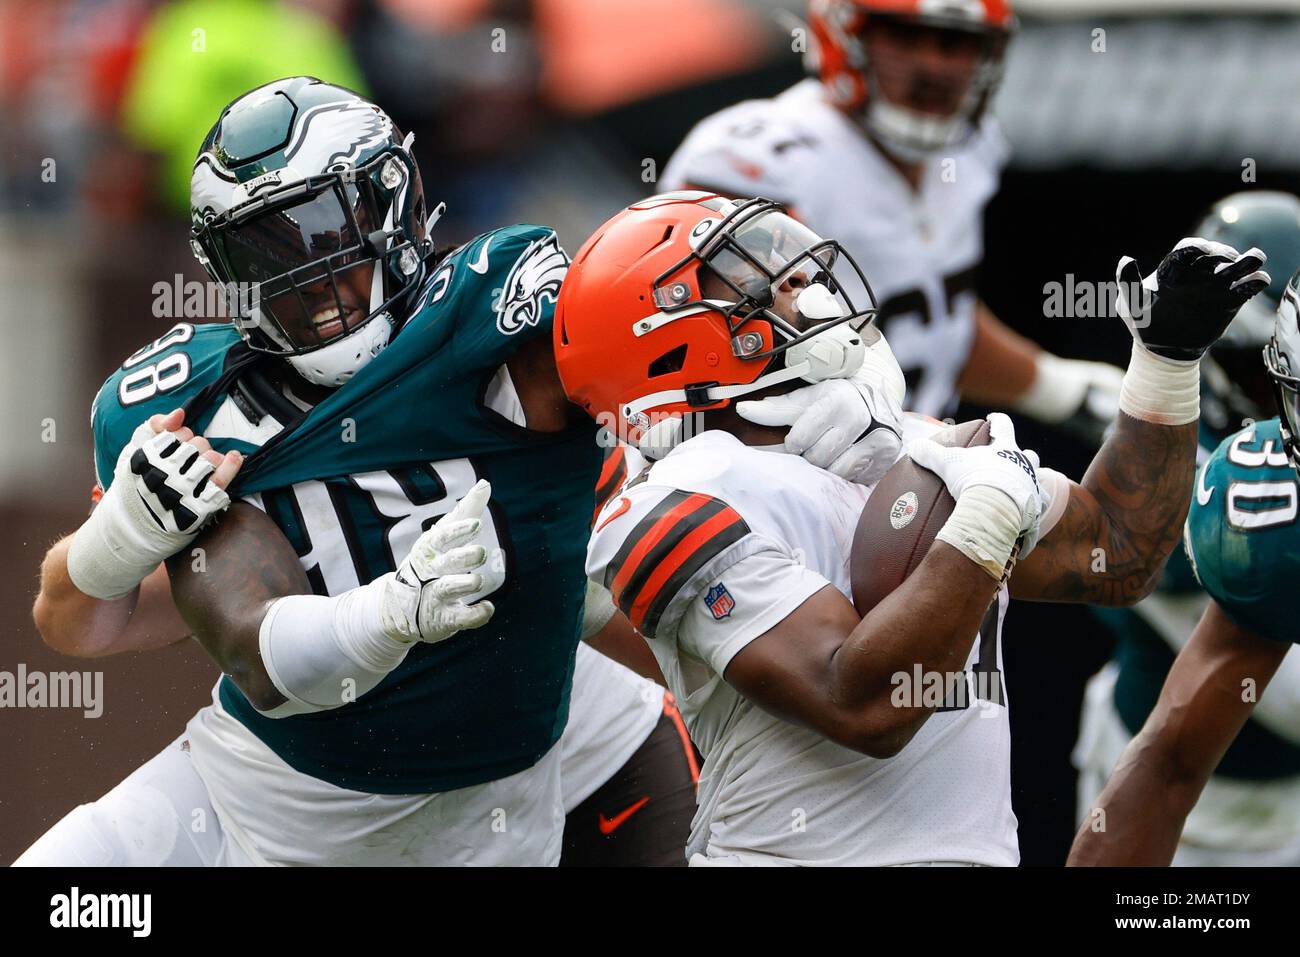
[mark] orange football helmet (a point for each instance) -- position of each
(671, 307)
(840, 61)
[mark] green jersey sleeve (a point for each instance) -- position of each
(501, 288)
(1241, 534)
(157, 378)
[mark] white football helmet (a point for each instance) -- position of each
(306, 204)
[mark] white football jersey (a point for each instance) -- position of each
(920, 250)
(709, 549)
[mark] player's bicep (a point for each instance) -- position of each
(225, 583)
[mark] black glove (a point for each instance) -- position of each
(1186, 304)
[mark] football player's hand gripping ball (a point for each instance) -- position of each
(1000, 465)
(999, 499)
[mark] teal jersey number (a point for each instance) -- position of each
(1245, 490)
(1242, 535)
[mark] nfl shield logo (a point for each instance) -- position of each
(719, 601)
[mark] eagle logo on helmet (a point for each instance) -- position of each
(317, 135)
(536, 275)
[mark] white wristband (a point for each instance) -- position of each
(108, 557)
(1161, 391)
(984, 526)
(1057, 390)
(322, 653)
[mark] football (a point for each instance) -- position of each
(901, 519)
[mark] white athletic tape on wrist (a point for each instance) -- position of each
(108, 556)
(322, 653)
(984, 526)
(1159, 390)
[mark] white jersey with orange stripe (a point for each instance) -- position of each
(710, 548)
(920, 248)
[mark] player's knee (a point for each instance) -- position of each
(137, 824)
(80, 839)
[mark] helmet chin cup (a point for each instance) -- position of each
(836, 353)
(818, 303)
(336, 363)
(661, 438)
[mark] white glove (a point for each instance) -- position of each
(423, 598)
(160, 499)
(849, 427)
(999, 499)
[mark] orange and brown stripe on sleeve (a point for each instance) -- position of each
(613, 473)
(681, 535)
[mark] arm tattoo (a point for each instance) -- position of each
(1123, 520)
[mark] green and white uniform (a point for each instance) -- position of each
(452, 758)
(1244, 544)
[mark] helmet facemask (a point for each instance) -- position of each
(1280, 357)
(296, 257)
(775, 282)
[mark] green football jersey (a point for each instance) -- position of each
(1241, 531)
(353, 482)
(1236, 504)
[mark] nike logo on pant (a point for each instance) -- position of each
(608, 825)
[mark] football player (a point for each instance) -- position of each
(889, 147)
(821, 743)
(1242, 542)
(370, 387)
(1249, 811)
(355, 409)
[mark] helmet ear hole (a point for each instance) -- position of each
(669, 362)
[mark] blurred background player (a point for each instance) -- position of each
(890, 147)
(1185, 768)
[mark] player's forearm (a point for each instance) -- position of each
(1138, 818)
(155, 623)
(1122, 522)
(1002, 364)
(288, 651)
(72, 622)
(1207, 697)
(1141, 478)
(927, 624)
(617, 639)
